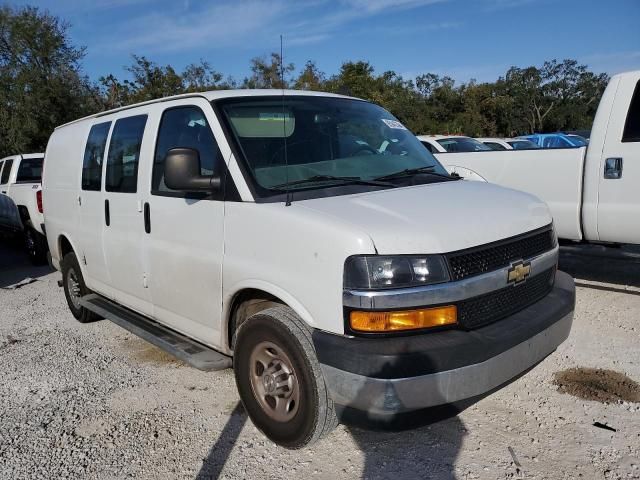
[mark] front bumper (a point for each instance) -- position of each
(396, 375)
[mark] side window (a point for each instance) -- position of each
(124, 154)
(1, 164)
(94, 156)
(494, 146)
(184, 127)
(6, 171)
(631, 132)
(429, 147)
(30, 170)
(552, 142)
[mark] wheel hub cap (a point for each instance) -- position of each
(74, 288)
(274, 382)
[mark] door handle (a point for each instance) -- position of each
(613, 168)
(147, 218)
(107, 216)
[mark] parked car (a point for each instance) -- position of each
(586, 134)
(21, 202)
(508, 143)
(592, 191)
(452, 143)
(235, 225)
(555, 140)
(579, 138)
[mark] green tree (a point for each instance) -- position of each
(41, 83)
(266, 73)
(151, 81)
(310, 78)
(200, 77)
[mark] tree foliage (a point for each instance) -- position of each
(42, 86)
(40, 81)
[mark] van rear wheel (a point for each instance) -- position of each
(279, 379)
(75, 288)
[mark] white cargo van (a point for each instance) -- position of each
(311, 241)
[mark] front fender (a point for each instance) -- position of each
(266, 287)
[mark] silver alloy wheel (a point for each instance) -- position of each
(274, 382)
(74, 288)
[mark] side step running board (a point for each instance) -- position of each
(194, 353)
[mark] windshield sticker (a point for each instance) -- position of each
(394, 124)
(274, 116)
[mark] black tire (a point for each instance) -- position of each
(314, 415)
(36, 245)
(71, 274)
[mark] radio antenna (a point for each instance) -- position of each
(289, 197)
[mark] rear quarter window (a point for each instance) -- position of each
(30, 170)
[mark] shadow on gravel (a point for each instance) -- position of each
(425, 452)
(15, 266)
(620, 266)
(418, 444)
(213, 465)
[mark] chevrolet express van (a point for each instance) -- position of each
(311, 242)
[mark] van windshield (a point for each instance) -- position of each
(307, 142)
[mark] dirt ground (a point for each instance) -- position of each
(93, 401)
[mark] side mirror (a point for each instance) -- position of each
(182, 172)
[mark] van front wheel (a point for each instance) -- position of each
(75, 288)
(279, 379)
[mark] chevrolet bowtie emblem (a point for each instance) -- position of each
(518, 272)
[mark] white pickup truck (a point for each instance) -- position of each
(21, 202)
(593, 192)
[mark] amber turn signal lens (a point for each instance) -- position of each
(403, 319)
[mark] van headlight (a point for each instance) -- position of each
(362, 272)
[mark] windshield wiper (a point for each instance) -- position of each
(414, 171)
(331, 178)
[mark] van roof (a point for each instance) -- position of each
(214, 95)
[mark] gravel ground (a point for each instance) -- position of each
(93, 401)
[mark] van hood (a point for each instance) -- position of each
(437, 217)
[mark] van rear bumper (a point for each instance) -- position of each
(395, 375)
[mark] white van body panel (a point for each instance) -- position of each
(404, 220)
(61, 194)
(292, 253)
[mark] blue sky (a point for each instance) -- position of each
(462, 38)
